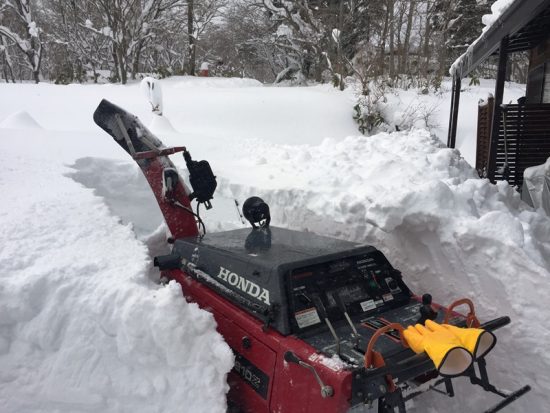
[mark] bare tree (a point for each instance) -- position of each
(404, 63)
(73, 49)
(391, 17)
(297, 38)
(409, 42)
(7, 65)
(129, 24)
(191, 63)
(24, 32)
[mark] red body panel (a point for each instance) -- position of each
(180, 222)
(292, 388)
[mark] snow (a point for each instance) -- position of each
(497, 9)
(283, 31)
(412, 108)
(199, 107)
(152, 90)
(161, 126)
(33, 30)
(86, 328)
(336, 35)
(20, 120)
(334, 363)
(536, 184)
(83, 327)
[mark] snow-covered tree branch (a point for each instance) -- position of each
(21, 28)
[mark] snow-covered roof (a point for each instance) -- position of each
(521, 20)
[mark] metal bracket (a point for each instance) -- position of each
(483, 381)
(367, 388)
(391, 401)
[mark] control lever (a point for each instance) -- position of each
(426, 311)
(323, 311)
(326, 391)
(355, 335)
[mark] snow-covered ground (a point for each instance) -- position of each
(84, 328)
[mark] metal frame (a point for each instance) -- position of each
(453, 119)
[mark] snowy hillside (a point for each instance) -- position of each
(84, 328)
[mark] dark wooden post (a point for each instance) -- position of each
(497, 112)
(453, 119)
(451, 115)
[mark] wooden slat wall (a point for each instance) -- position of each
(484, 118)
(528, 139)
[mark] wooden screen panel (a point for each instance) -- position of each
(484, 119)
(527, 140)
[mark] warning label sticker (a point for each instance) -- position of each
(368, 305)
(307, 317)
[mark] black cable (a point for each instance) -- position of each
(201, 223)
(196, 215)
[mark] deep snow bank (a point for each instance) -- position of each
(204, 107)
(221, 110)
(450, 233)
(82, 328)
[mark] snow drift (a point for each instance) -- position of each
(83, 329)
(20, 120)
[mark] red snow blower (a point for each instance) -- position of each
(316, 324)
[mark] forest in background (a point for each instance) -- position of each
(407, 43)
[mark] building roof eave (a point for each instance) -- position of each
(517, 16)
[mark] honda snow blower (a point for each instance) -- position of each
(316, 324)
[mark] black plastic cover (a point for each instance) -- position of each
(258, 279)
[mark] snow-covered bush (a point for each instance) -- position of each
(367, 111)
(368, 118)
(380, 108)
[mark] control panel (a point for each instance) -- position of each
(359, 285)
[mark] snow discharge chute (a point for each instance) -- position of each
(151, 155)
(315, 323)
